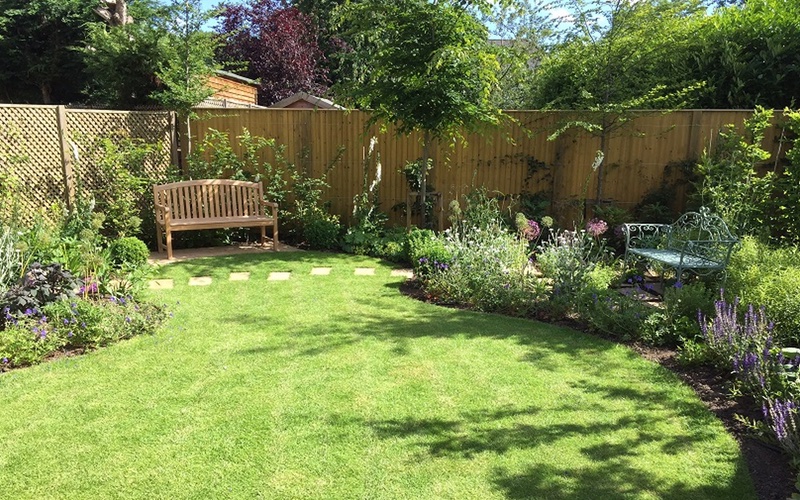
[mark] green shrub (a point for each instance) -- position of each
(613, 313)
(426, 251)
(488, 270)
(678, 322)
(26, 340)
(694, 353)
(759, 274)
(321, 231)
(129, 253)
(30, 336)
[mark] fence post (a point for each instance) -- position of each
(173, 140)
(66, 158)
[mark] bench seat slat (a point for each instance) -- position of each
(673, 258)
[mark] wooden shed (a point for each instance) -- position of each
(231, 90)
(303, 100)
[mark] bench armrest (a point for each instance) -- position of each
(163, 213)
(274, 207)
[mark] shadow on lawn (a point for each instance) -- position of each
(608, 470)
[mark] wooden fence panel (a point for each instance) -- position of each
(514, 158)
(45, 148)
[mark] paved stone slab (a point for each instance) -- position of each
(279, 276)
(321, 271)
(406, 273)
(239, 276)
(200, 281)
(161, 284)
(365, 271)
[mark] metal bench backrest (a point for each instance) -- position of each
(702, 234)
(211, 198)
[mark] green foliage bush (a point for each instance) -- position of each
(128, 253)
(488, 271)
(612, 313)
(123, 198)
(761, 274)
(426, 251)
(729, 181)
(27, 338)
(677, 322)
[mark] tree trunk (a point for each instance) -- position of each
(603, 148)
(423, 184)
(46, 93)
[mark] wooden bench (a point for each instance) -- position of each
(699, 242)
(212, 204)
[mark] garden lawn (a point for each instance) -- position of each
(340, 387)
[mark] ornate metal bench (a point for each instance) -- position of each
(698, 242)
(212, 204)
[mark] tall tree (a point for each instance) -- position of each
(122, 59)
(280, 45)
(422, 66)
(38, 42)
(189, 60)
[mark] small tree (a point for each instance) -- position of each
(422, 66)
(189, 60)
(608, 60)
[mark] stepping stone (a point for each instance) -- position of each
(279, 276)
(365, 271)
(161, 284)
(200, 281)
(321, 271)
(406, 273)
(239, 276)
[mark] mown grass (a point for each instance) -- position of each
(340, 387)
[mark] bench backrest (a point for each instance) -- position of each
(210, 198)
(702, 234)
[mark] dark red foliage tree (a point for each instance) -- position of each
(278, 43)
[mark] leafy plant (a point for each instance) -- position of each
(488, 270)
(761, 274)
(122, 173)
(40, 285)
(730, 183)
(128, 253)
(426, 252)
(315, 225)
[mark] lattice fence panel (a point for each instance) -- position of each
(30, 153)
(86, 127)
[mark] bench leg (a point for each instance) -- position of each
(169, 244)
(159, 238)
(263, 235)
(275, 236)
